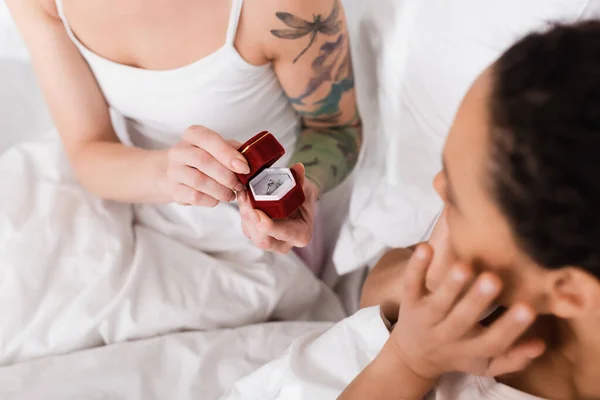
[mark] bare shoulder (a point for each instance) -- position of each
(301, 8)
(293, 19)
(394, 257)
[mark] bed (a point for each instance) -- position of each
(123, 333)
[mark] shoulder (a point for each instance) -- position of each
(304, 8)
(279, 23)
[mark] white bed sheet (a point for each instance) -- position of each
(181, 366)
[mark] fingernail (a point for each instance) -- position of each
(523, 314)
(254, 216)
(232, 196)
(238, 187)
(240, 166)
(420, 253)
(241, 195)
(487, 286)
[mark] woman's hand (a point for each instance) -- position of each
(281, 235)
(443, 253)
(201, 168)
(439, 332)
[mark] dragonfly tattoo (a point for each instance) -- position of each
(300, 28)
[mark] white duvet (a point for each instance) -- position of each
(79, 272)
(320, 364)
(93, 295)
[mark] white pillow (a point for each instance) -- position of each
(437, 49)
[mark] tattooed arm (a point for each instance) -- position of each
(311, 56)
(307, 42)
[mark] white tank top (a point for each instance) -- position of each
(221, 91)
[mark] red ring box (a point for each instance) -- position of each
(275, 191)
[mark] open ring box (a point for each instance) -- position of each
(275, 191)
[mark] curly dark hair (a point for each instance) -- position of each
(545, 144)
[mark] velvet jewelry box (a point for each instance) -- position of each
(275, 191)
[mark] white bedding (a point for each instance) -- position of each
(431, 51)
(319, 364)
(414, 59)
(78, 272)
(180, 366)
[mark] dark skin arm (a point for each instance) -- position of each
(384, 281)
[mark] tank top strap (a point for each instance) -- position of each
(234, 20)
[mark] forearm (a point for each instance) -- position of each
(328, 154)
(387, 378)
(120, 173)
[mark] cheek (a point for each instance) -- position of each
(521, 285)
(460, 238)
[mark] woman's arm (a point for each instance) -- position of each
(387, 378)
(309, 46)
(101, 163)
(199, 170)
(383, 286)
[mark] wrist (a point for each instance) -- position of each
(412, 385)
(159, 178)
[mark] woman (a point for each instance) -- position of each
(193, 79)
(523, 222)
(521, 228)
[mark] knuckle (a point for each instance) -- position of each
(224, 193)
(231, 180)
(267, 224)
(173, 155)
(195, 197)
(436, 307)
(307, 240)
(264, 243)
(207, 201)
(198, 180)
(200, 133)
(285, 249)
(201, 156)
(303, 240)
(494, 349)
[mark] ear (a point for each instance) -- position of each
(573, 293)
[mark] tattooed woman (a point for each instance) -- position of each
(191, 79)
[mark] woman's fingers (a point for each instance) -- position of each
(185, 195)
(297, 232)
(503, 333)
(216, 146)
(444, 256)
(448, 292)
(203, 183)
(516, 358)
(467, 312)
(261, 239)
(204, 162)
(414, 277)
